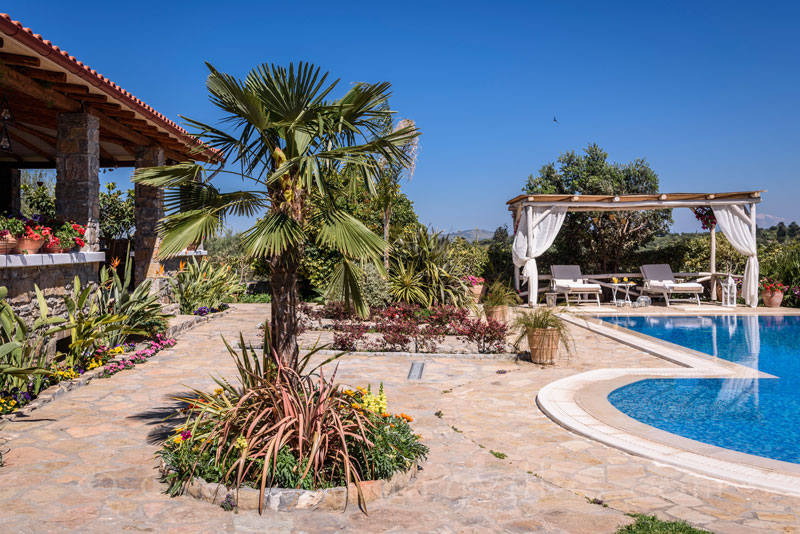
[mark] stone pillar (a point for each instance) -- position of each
(77, 173)
(10, 194)
(149, 209)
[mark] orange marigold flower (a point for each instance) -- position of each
(385, 415)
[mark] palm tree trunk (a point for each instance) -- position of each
(283, 323)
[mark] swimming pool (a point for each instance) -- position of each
(751, 415)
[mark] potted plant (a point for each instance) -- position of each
(772, 292)
(544, 330)
(70, 235)
(475, 285)
(10, 229)
(32, 238)
(498, 297)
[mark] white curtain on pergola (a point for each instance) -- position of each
(739, 228)
(537, 229)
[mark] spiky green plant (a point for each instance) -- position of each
(427, 254)
(284, 134)
(23, 349)
(542, 318)
(500, 293)
(405, 285)
(140, 307)
(202, 283)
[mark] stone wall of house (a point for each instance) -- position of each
(54, 281)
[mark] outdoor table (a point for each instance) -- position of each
(620, 285)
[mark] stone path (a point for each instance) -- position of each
(84, 463)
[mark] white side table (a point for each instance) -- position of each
(619, 286)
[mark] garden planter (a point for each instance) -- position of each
(7, 244)
(543, 343)
(772, 299)
(496, 313)
(477, 291)
(52, 250)
(28, 246)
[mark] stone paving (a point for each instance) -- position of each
(85, 462)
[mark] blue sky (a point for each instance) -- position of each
(707, 92)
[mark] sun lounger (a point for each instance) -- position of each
(659, 279)
(568, 280)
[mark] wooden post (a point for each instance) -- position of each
(713, 262)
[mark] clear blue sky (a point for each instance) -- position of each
(707, 92)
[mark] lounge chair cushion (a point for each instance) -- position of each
(576, 286)
(676, 287)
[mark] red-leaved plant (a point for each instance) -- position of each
(489, 336)
(278, 408)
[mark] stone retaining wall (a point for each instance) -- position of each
(54, 281)
(287, 500)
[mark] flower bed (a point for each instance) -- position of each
(401, 328)
(284, 428)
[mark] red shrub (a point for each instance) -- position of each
(489, 336)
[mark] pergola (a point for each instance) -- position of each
(538, 218)
(58, 113)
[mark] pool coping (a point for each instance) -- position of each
(580, 404)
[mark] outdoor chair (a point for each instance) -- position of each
(568, 280)
(659, 279)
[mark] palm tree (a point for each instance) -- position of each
(283, 134)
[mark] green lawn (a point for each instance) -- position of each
(647, 524)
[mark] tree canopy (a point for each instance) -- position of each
(599, 241)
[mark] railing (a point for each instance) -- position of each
(601, 280)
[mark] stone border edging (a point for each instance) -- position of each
(558, 401)
(289, 499)
(60, 389)
(388, 354)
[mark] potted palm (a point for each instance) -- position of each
(10, 229)
(498, 297)
(544, 330)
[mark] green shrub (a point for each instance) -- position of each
(204, 284)
(467, 258)
(258, 298)
(783, 264)
(647, 524)
(141, 308)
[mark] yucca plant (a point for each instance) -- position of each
(427, 254)
(23, 349)
(405, 285)
(202, 283)
(285, 134)
(140, 307)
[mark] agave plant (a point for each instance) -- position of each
(291, 140)
(202, 283)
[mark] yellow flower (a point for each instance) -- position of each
(218, 392)
(349, 392)
(241, 442)
(625, 279)
(615, 279)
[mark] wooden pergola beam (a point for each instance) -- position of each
(30, 146)
(18, 59)
(44, 75)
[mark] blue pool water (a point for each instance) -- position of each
(756, 416)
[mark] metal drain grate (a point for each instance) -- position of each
(415, 373)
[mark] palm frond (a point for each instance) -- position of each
(273, 234)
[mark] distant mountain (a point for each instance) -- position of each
(469, 235)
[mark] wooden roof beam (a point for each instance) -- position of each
(44, 75)
(18, 59)
(30, 146)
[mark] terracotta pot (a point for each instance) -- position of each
(772, 299)
(477, 291)
(28, 246)
(496, 313)
(7, 244)
(56, 249)
(543, 343)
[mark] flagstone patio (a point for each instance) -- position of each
(84, 462)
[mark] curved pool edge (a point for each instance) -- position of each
(580, 404)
